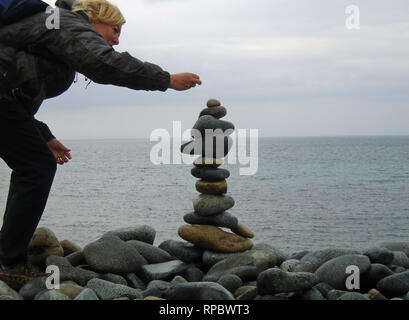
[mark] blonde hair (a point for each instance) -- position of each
(100, 11)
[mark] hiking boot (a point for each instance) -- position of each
(17, 276)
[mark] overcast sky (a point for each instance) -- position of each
(286, 68)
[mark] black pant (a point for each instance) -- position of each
(33, 168)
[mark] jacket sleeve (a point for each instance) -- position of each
(85, 50)
(78, 44)
(44, 130)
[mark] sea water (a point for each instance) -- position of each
(308, 192)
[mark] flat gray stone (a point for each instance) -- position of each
(209, 147)
(224, 219)
(106, 290)
(135, 282)
(275, 280)
(379, 255)
(69, 272)
(7, 291)
(210, 258)
(163, 271)
(312, 294)
(334, 273)
(396, 246)
(400, 259)
(182, 250)
(249, 294)
(209, 204)
(76, 258)
(51, 295)
(143, 233)
(353, 296)
(87, 294)
(194, 274)
(112, 255)
(334, 294)
(289, 265)
(6, 297)
(114, 278)
(151, 253)
(210, 122)
(198, 291)
(246, 265)
(280, 254)
(156, 288)
(210, 174)
(31, 288)
(394, 285)
(375, 273)
(231, 282)
(314, 259)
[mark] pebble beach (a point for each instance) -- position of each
(216, 257)
(125, 265)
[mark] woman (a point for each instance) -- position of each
(37, 63)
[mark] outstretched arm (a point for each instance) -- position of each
(184, 81)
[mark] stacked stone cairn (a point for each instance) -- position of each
(212, 143)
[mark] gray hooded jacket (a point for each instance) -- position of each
(37, 63)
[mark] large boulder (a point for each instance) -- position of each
(275, 280)
(246, 265)
(334, 272)
(143, 233)
(44, 243)
(112, 255)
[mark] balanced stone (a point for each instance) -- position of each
(243, 231)
(203, 162)
(215, 147)
(208, 122)
(209, 204)
(213, 238)
(211, 187)
(224, 220)
(213, 103)
(217, 112)
(210, 174)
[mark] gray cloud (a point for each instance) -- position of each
(285, 67)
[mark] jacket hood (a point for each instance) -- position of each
(65, 4)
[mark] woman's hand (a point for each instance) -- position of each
(61, 153)
(184, 81)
